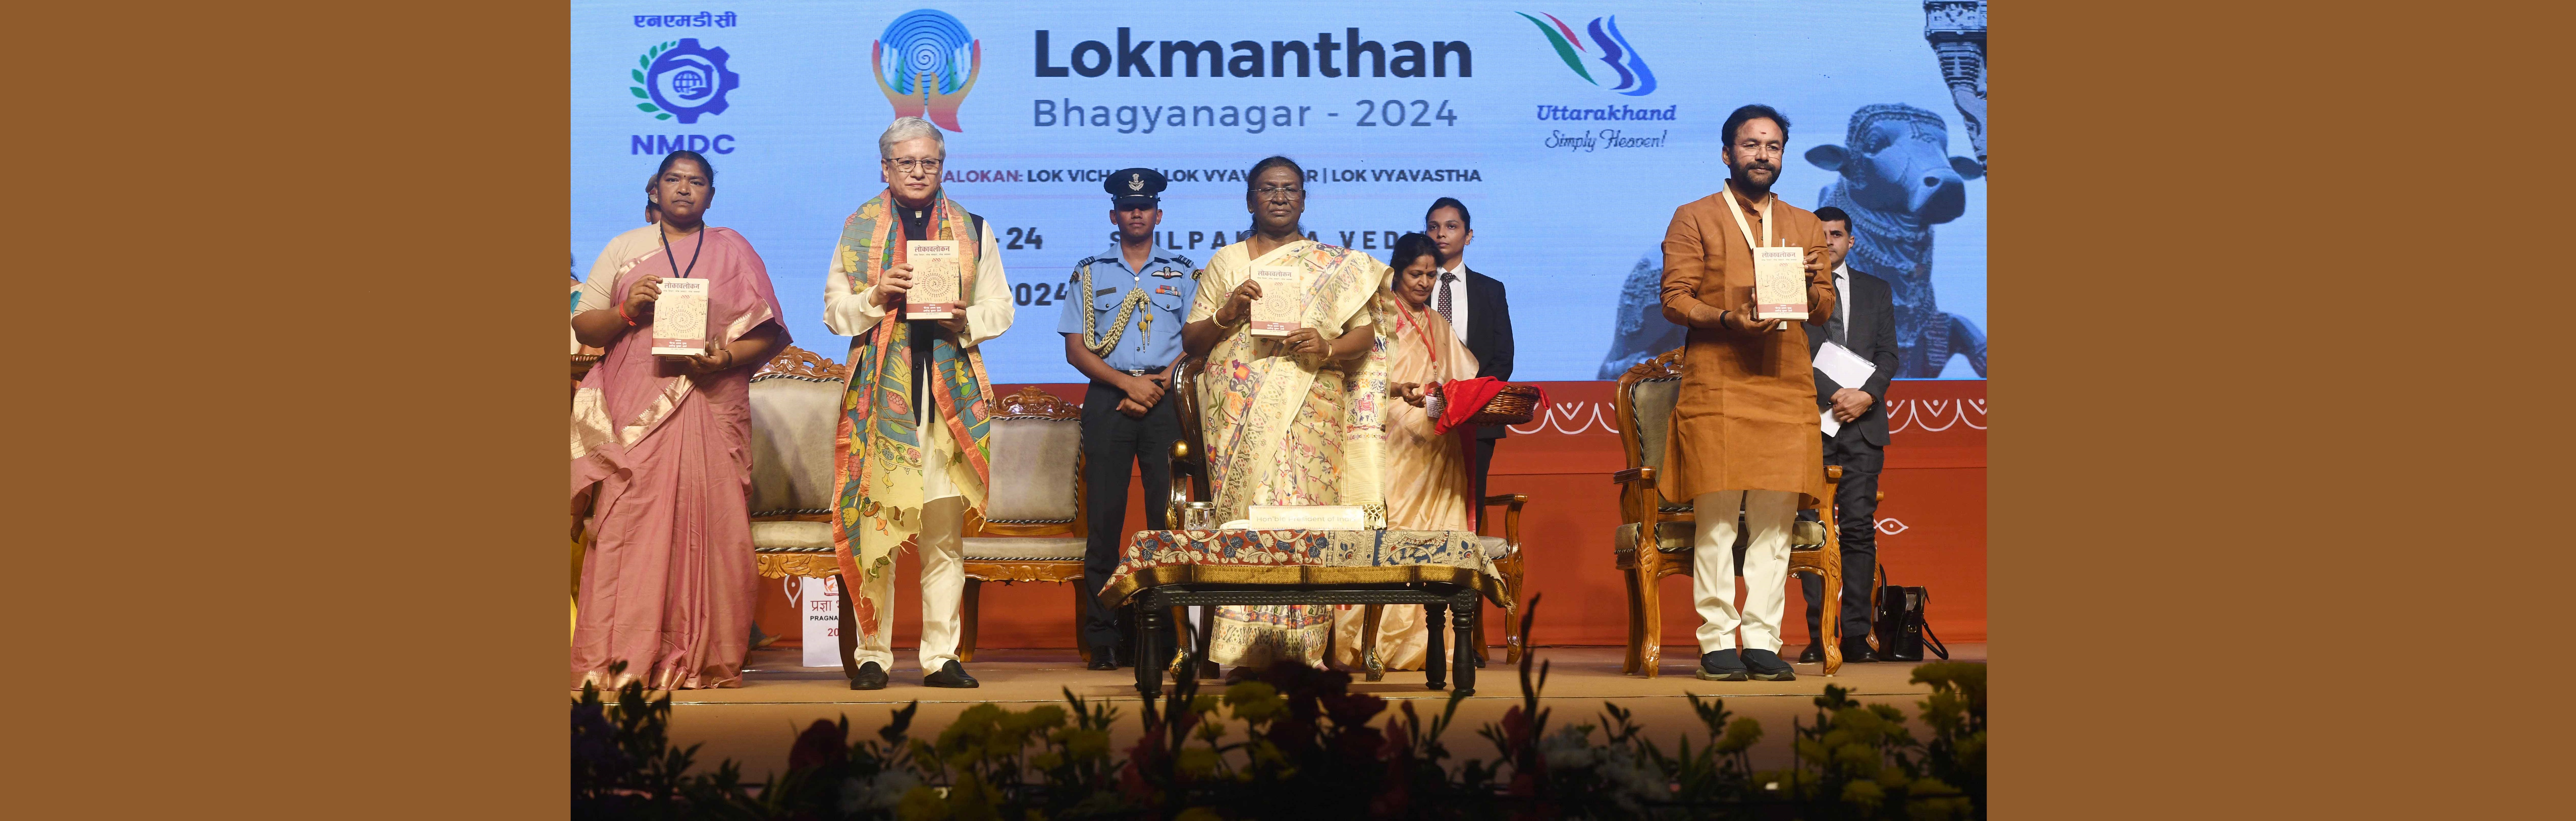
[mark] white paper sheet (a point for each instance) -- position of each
(1826, 421)
(1847, 369)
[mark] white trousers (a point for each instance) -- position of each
(1768, 514)
(943, 588)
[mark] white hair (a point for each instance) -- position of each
(907, 129)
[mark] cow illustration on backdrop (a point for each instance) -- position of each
(1898, 180)
(1640, 331)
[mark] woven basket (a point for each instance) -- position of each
(1513, 405)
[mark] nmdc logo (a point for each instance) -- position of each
(683, 80)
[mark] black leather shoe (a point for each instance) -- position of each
(1815, 654)
(870, 677)
(951, 674)
(1764, 665)
(1721, 666)
(1858, 654)
(1103, 659)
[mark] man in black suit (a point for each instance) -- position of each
(1477, 312)
(1864, 322)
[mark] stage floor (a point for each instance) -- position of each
(755, 724)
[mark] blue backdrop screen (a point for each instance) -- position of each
(1571, 132)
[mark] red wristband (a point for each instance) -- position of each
(621, 314)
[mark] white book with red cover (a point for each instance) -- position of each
(1275, 313)
(680, 318)
(1780, 283)
(934, 278)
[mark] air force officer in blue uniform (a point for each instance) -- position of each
(1123, 330)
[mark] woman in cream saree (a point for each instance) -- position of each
(1426, 480)
(1294, 420)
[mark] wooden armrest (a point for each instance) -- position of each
(1632, 475)
(1834, 474)
(1514, 499)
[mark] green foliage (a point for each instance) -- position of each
(623, 765)
(1292, 742)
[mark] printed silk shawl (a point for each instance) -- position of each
(877, 477)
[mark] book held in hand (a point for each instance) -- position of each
(1275, 313)
(934, 278)
(680, 318)
(1780, 283)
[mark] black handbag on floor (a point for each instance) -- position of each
(1900, 627)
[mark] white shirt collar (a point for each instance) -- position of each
(1843, 271)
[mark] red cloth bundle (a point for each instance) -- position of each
(1463, 399)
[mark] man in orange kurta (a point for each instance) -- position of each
(1744, 428)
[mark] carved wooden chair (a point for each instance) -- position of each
(1644, 402)
(1506, 552)
(795, 413)
(1190, 484)
(1035, 521)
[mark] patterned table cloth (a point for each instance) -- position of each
(1301, 557)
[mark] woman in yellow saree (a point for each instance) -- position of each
(1288, 420)
(1426, 480)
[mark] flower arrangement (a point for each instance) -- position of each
(1292, 742)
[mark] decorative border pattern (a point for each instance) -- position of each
(1935, 415)
(1570, 418)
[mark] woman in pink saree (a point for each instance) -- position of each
(668, 583)
(1426, 480)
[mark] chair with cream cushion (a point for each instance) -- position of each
(1643, 402)
(1034, 522)
(795, 412)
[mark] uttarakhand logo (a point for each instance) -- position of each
(1611, 47)
(926, 63)
(682, 80)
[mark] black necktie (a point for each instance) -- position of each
(1834, 324)
(1443, 305)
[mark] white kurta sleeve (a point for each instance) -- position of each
(846, 312)
(991, 311)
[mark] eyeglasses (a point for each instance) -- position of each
(1275, 192)
(910, 166)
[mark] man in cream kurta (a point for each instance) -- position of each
(945, 473)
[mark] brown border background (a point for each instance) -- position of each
(2247, 409)
(305, 566)
(2238, 435)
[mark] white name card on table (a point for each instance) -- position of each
(934, 278)
(1780, 283)
(818, 605)
(1307, 517)
(680, 318)
(1275, 313)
